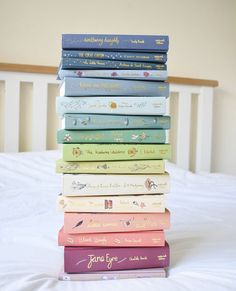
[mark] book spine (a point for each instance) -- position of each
(118, 167)
(113, 55)
(155, 43)
(95, 185)
(125, 222)
(139, 203)
(102, 121)
(111, 136)
(119, 239)
(74, 87)
(112, 105)
(83, 259)
(74, 63)
(154, 75)
(106, 152)
(112, 275)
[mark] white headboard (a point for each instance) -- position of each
(28, 121)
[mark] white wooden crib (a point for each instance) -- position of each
(28, 121)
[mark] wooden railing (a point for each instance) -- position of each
(191, 128)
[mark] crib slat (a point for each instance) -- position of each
(204, 129)
(167, 113)
(183, 129)
(12, 115)
(39, 116)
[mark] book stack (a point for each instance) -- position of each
(112, 101)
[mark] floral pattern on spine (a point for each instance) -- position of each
(67, 137)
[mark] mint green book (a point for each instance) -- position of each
(111, 136)
(115, 152)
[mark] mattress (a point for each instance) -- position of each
(202, 237)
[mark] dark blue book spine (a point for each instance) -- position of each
(75, 63)
(154, 43)
(113, 55)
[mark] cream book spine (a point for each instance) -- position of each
(123, 204)
(95, 185)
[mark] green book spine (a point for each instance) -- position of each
(104, 152)
(110, 167)
(112, 136)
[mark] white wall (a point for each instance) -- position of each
(202, 44)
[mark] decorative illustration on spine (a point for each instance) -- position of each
(112, 136)
(111, 105)
(109, 167)
(104, 121)
(125, 222)
(155, 75)
(103, 152)
(89, 259)
(136, 203)
(94, 185)
(113, 55)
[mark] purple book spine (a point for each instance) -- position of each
(87, 259)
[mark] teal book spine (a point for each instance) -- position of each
(111, 105)
(75, 63)
(102, 121)
(111, 136)
(100, 87)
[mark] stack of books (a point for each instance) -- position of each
(112, 101)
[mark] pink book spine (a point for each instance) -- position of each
(119, 239)
(90, 259)
(116, 222)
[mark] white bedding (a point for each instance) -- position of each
(202, 237)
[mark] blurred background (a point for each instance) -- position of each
(202, 45)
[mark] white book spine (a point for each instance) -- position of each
(157, 75)
(94, 185)
(112, 105)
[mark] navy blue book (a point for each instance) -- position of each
(113, 55)
(76, 63)
(115, 42)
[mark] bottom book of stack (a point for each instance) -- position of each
(112, 275)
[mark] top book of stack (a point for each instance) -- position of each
(142, 43)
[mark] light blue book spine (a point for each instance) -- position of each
(102, 87)
(111, 105)
(101, 121)
(153, 75)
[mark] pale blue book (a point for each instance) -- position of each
(112, 105)
(102, 87)
(149, 75)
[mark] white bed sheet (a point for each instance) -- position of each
(202, 237)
